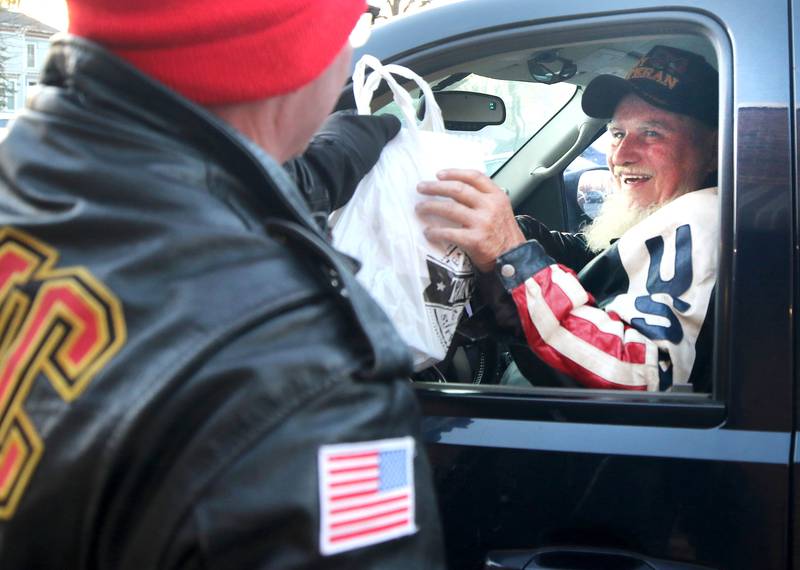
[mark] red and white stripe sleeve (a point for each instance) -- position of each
(659, 279)
(566, 331)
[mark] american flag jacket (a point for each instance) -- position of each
(628, 318)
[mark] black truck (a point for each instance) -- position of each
(543, 476)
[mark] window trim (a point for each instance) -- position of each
(578, 405)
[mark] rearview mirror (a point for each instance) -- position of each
(467, 111)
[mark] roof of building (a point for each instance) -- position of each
(18, 20)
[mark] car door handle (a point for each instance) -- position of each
(579, 558)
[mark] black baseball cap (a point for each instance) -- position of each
(669, 78)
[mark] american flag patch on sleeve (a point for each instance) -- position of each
(366, 493)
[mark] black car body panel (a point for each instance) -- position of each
(703, 481)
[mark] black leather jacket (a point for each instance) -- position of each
(177, 341)
(343, 150)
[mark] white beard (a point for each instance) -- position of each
(617, 215)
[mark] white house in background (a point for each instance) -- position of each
(24, 43)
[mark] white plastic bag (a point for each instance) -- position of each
(422, 286)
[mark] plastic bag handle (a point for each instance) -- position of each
(364, 89)
(432, 120)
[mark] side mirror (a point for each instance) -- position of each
(593, 187)
(467, 111)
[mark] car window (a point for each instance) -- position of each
(594, 156)
(546, 148)
(534, 156)
(528, 107)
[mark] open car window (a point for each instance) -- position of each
(548, 156)
(551, 159)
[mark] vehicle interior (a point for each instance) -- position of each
(524, 106)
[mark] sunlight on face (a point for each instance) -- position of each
(657, 155)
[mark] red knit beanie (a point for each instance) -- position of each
(221, 51)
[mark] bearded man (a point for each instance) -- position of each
(625, 305)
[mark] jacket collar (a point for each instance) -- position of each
(100, 79)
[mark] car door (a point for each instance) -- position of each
(560, 476)
(795, 47)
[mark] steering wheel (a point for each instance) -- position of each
(478, 355)
(474, 356)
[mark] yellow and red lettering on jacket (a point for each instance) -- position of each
(57, 323)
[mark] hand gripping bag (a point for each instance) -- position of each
(422, 286)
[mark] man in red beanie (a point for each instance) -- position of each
(190, 376)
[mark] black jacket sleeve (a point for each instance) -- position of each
(565, 248)
(345, 148)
